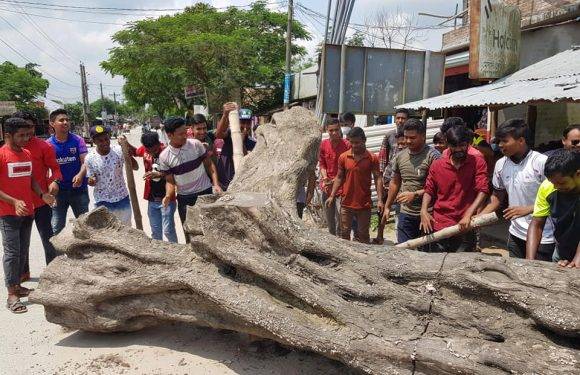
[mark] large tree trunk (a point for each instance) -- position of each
(253, 267)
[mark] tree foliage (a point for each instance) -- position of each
(21, 85)
(221, 52)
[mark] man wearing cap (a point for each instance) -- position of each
(225, 150)
(104, 166)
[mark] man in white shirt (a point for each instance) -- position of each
(186, 166)
(105, 172)
(517, 177)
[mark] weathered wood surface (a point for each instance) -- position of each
(253, 267)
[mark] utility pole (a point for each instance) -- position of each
(288, 75)
(115, 104)
(85, 95)
(103, 110)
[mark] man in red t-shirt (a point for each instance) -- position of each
(458, 185)
(330, 150)
(161, 218)
(17, 207)
(43, 161)
(356, 168)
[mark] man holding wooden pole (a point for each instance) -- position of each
(457, 185)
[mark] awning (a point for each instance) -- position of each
(555, 79)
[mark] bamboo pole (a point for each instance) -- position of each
(131, 186)
(476, 222)
(236, 134)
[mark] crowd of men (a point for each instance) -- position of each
(40, 180)
(428, 188)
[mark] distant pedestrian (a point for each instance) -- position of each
(570, 139)
(330, 151)
(161, 218)
(225, 155)
(105, 165)
(516, 179)
(46, 172)
(356, 170)
(559, 200)
(201, 132)
(17, 188)
(348, 121)
(71, 151)
(184, 162)
(457, 186)
(410, 169)
(439, 142)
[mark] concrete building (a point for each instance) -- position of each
(548, 27)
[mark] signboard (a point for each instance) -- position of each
(7, 108)
(494, 39)
(375, 80)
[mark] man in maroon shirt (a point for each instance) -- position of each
(43, 162)
(330, 150)
(458, 185)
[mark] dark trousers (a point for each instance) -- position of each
(408, 227)
(77, 199)
(16, 242)
(42, 219)
(363, 221)
(465, 242)
(183, 201)
(517, 248)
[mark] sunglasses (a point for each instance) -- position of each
(575, 142)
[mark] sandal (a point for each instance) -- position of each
(378, 241)
(16, 307)
(24, 292)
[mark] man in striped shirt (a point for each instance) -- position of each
(186, 164)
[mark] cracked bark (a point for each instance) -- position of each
(253, 267)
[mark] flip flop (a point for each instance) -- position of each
(24, 292)
(16, 307)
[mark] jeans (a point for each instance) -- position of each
(161, 221)
(42, 219)
(183, 201)
(363, 220)
(408, 227)
(16, 232)
(332, 214)
(77, 199)
(121, 209)
(517, 248)
(465, 242)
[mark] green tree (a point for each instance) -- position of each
(75, 112)
(221, 52)
(357, 40)
(21, 85)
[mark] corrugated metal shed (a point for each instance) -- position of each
(555, 79)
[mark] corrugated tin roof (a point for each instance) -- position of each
(555, 79)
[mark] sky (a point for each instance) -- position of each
(58, 39)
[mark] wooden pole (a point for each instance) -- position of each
(476, 222)
(532, 119)
(424, 116)
(236, 134)
(131, 187)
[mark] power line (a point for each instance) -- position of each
(36, 45)
(63, 19)
(36, 67)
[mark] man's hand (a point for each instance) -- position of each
(53, 188)
(426, 222)
(152, 175)
(406, 197)
(165, 202)
(329, 201)
(385, 216)
(20, 208)
(77, 181)
(465, 223)
(48, 199)
(217, 189)
(380, 205)
(511, 213)
(92, 181)
(122, 140)
(228, 107)
(575, 263)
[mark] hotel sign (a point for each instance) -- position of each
(494, 39)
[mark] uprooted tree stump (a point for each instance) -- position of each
(253, 267)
